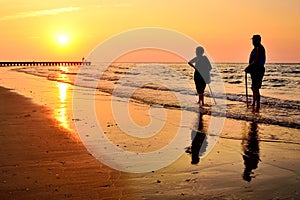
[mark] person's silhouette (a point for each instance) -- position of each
(250, 145)
(256, 69)
(202, 72)
(198, 141)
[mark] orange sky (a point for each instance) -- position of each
(31, 31)
(148, 54)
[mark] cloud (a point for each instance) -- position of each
(37, 13)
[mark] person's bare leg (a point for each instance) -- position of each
(201, 100)
(257, 100)
(253, 98)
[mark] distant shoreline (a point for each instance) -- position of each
(139, 62)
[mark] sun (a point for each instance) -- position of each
(62, 40)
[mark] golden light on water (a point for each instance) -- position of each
(63, 95)
(61, 112)
(62, 87)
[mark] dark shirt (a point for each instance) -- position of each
(258, 56)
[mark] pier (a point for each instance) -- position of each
(33, 63)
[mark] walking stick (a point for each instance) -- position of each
(207, 84)
(246, 89)
(212, 94)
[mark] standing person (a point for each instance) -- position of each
(202, 72)
(256, 69)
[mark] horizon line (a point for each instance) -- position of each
(218, 62)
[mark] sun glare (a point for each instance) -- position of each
(62, 40)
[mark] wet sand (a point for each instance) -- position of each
(41, 158)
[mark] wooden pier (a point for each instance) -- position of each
(59, 63)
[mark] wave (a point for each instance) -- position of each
(274, 110)
(269, 101)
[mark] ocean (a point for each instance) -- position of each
(155, 86)
(156, 83)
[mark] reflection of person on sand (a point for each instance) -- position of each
(256, 69)
(198, 142)
(250, 147)
(202, 72)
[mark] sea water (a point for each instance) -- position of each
(280, 101)
(162, 85)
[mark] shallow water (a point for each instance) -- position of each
(172, 85)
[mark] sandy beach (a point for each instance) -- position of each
(40, 161)
(150, 100)
(42, 158)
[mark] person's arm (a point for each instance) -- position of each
(209, 68)
(249, 68)
(192, 61)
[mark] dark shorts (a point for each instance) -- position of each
(257, 77)
(199, 82)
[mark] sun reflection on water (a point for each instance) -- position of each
(63, 95)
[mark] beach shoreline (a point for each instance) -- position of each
(42, 159)
(39, 160)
